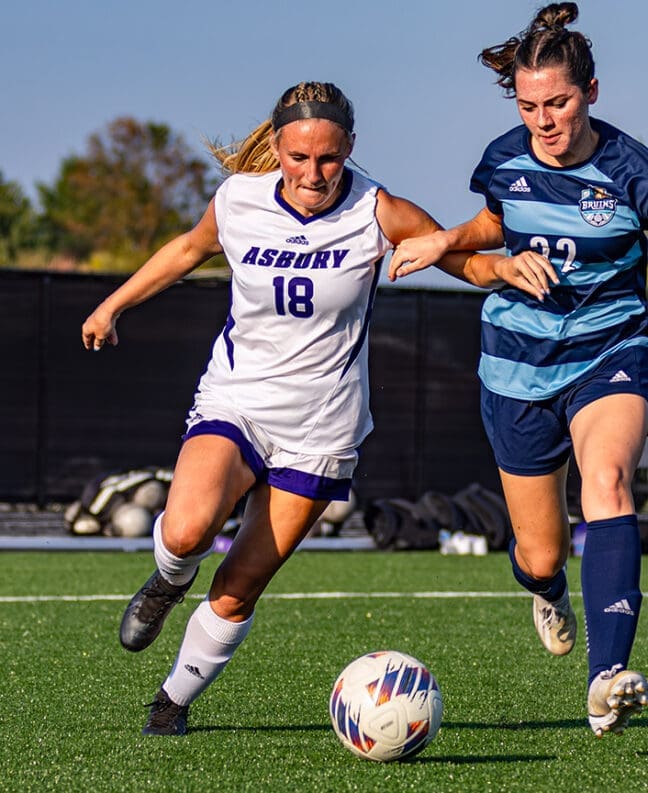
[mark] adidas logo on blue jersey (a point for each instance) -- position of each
(520, 186)
(298, 240)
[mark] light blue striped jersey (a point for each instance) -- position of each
(589, 220)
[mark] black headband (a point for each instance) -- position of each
(300, 110)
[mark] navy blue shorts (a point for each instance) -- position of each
(533, 438)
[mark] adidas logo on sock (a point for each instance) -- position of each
(193, 670)
(620, 377)
(620, 607)
(298, 240)
(520, 186)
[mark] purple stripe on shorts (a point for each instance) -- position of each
(231, 431)
(320, 488)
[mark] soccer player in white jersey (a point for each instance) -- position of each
(567, 194)
(283, 405)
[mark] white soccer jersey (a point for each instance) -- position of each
(292, 356)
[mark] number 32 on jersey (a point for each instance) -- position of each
(565, 246)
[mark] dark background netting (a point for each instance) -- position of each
(68, 415)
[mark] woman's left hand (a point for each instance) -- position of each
(417, 253)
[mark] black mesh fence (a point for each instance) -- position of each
(68, 415)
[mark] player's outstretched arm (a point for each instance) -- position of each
(420, 241)
(484, 231)
(171, 263)
(401, 219)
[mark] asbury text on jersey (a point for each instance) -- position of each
(293, 352)
(282, 258)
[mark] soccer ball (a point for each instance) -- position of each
(151, 495)
(386, 706)
(131, 520)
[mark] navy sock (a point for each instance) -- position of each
(551, 589)
(610, 571)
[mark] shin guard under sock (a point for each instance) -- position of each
(176, 570)
(208, 645)
(610, 570)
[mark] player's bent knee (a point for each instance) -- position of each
(545, 569)
(608, 489)
(186, 539)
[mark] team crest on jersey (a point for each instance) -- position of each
(597, 206)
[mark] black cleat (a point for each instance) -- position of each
(145, 614)
(166, 718)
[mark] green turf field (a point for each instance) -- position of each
(72, 700)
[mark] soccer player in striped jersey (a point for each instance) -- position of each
(283, 405)
(567, 195)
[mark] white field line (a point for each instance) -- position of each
(283, 596)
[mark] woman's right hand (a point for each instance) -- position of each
(528, 271)
(99, 328)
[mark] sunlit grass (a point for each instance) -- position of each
(72, 703)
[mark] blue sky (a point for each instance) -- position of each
(425, 107)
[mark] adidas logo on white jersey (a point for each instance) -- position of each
(620, 377)
(520, 186)
(298, 240)
(620, 607)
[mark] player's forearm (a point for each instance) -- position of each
(482, 269)
(484, 231)
(474, 268)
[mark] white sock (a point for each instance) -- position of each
(209, 643)
(175, 569)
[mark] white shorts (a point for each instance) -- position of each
(320, 477)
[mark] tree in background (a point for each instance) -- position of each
(137, 186)
(18, 223)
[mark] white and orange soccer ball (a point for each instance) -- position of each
(386, 706)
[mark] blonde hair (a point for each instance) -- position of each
(254, 154)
